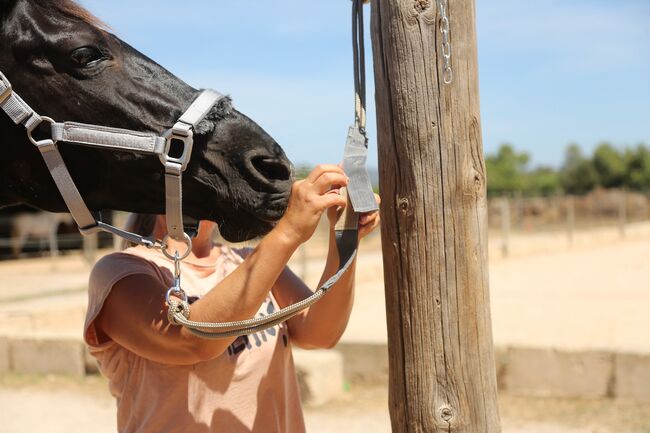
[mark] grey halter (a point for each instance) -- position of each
(115, 139)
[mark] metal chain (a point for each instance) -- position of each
(447, 74)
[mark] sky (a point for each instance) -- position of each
(550, 72)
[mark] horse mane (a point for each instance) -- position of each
(72, 9)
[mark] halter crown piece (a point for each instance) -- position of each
(359, 191)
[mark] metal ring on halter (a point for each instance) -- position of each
(176, 256)
(30, 130)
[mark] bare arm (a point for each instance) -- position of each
(322, 325)
(134, 315)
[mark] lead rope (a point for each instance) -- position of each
(360, 199)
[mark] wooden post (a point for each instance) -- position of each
(519, 209)
(434, 232)
(570, 218)
(504, 207)
(622, 212)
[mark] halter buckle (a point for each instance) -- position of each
(182, 133)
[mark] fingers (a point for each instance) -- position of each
(327, 180)
(330, 200)
(372, 222)
(369, 221)
(323, 168)
(366, 217)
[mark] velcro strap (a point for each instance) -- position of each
(106, 137)
(200, 107)
(354, 165)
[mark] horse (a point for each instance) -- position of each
(67, 65)
(38, 226)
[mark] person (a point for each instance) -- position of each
(166, 379)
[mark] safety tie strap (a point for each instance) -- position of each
(359, 188)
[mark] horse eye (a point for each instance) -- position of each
(85, 56)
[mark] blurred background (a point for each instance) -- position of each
(565, 104)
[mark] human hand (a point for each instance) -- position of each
(368, 221)
(309, 198)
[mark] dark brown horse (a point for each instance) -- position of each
(68, 66)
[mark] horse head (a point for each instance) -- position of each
(68, 66)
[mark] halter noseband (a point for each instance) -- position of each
(116, 139)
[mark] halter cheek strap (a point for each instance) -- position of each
(115, 139)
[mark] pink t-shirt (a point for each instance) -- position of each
(251, 387)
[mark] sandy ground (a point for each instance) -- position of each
(593, 296)
(68, 406)
(596, 298)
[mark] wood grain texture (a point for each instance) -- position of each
(434, 224)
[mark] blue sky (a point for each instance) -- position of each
(551, 72)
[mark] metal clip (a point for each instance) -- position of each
(176, 288)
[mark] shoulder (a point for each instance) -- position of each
(115, 266)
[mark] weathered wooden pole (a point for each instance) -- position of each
(434, 231)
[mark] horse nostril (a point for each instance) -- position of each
(272, 168)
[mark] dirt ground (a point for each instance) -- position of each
(71, 406)
(594, 297)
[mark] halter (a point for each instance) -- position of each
(359, 191)
(120, 140)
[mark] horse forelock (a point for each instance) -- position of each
(74, 10)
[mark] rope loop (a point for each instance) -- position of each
(176, 307)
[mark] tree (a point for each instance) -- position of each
(637, 162)
(578, 173)
(610, 166)
(543, 181)
(506, 171)
(301, 171)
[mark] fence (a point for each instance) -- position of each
(507, 217)
(521, 215)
